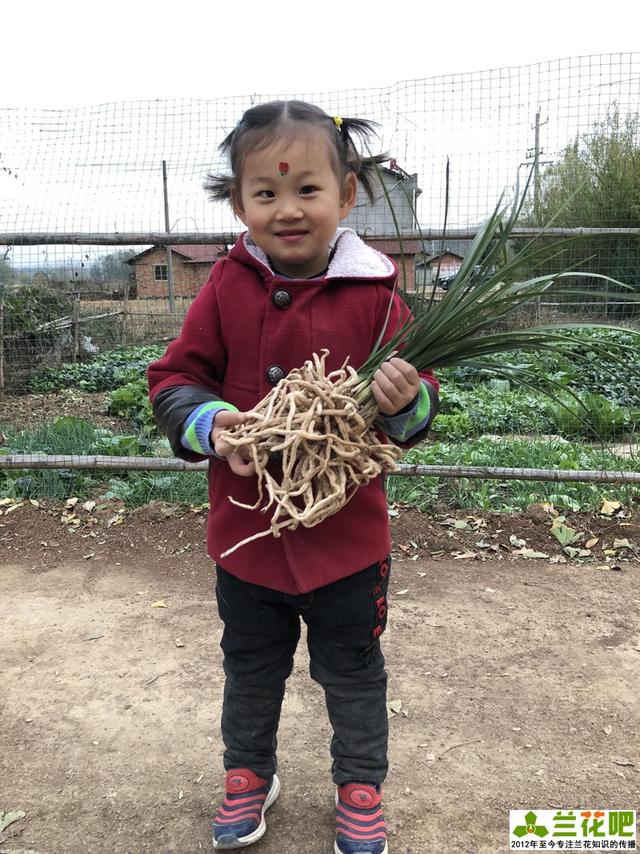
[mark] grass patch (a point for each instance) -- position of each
(62, 437)
(72, 436)
(139, 487)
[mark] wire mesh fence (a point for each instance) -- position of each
(76, 184)
(107, 234)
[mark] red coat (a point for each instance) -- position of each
(233, 333)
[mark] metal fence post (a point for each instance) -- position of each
(75, 327)
(125, 312)
(1, 338)
(172, 299)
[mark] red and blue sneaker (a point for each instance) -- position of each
(360, 827)
(240, 819)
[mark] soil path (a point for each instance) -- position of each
(518, 683)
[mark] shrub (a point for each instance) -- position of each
(105, 372)
(27, 339)
(593, 415)
(131, 402)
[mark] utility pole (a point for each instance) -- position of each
(535, 152)
(536, 170)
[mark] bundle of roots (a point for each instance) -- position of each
(326, 443)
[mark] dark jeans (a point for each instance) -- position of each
(261, 632)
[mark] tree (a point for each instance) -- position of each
(6, 272)
(112, 267)
(596, 183)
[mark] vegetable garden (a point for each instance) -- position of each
(483, 421)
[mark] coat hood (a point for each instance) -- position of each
(351, 258)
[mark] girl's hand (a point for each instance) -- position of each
(222, 421)
(395, 384)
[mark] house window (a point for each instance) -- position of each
(160, 273)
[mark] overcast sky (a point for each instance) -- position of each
(69, 53)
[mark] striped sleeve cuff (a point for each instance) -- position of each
(403, 425)
(197, 428)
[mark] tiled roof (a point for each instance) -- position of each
(392, 247)
(199, 253)
(442, 255)
(190, 253)
(456, 246)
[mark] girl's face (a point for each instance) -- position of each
(291, 201)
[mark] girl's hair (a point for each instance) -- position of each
(260, 125)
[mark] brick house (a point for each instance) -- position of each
(411, 249)
(192, 263)
(369, 219)
(191, 267)
(442, 264)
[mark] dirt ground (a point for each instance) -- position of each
(23, 410)
(514, 682)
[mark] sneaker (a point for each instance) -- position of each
(240, 819)
(360, 827)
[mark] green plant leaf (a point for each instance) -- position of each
(7, 818)
(532, 554)
(565, 535)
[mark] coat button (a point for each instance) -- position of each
(274, 374)
(281, 298)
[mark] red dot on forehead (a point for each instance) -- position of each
(283, 167)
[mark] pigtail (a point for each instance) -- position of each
(365, 168)
(219, 187)
(349, 137)
(368, 173)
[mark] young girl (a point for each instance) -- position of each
(293, 284)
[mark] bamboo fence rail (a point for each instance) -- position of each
(163, 238)
(133, 463)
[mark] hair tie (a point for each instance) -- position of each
(337, 120)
